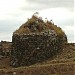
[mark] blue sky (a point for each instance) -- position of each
(13, 13)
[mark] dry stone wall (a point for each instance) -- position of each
(31, 48)
(36, 41)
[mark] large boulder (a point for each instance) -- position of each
(36, 41)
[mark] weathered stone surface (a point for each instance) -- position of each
(36, 41)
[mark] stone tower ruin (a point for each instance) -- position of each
(36, 41)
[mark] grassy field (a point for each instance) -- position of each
(61, 64)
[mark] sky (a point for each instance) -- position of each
(13, 13)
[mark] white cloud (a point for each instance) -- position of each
(6, 36)
(10, 7)
(69, 30)
(44, 4)
(57, 14)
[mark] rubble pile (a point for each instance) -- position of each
(5, 48)
(36, 41)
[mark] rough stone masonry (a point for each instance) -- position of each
(36, 41)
